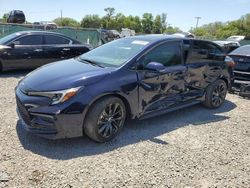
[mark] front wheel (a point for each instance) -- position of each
(215, 94)
(105, 119)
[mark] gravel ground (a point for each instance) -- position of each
(193, 147)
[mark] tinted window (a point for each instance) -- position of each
(52, 39)
(168, 54)
(30, 40)
(205, 52)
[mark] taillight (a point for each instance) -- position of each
(230, 62)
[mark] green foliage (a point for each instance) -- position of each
(157, 27)
(5, 17)
(91, 21)
(219, 30)
(70, 22)
(112, 20)
(172, 30)
(147, 23)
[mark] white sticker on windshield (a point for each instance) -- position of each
(140, 42)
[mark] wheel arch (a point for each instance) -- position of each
(124, 100)
(226, 81)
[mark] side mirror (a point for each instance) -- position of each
(155, 66)
(12, 45)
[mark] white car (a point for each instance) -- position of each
(236, 38)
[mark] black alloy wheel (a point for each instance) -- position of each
(110, 120)
(219, 94)
(215, 94)
(105, 119)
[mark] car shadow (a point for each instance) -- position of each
(133, 132)
(14, 73)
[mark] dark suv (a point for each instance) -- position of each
(134, 77)
(16, 16)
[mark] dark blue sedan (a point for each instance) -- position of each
(136, 77)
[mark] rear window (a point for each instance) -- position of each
(205, 52)
(52, 39)
(243, 50)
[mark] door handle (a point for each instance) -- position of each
(66, 49)
(38, 50)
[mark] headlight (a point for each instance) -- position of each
(58, 96)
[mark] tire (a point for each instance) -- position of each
(105, 119)
(215, 94)
(1, 67)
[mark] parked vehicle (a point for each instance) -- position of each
(236, 38)
(116, 34)
(134, 77)
(245, 91)
(31, 49)
(241, 57)
(45, 25)
(127, 32)
(16, 16)
(184, 35)
(228, 46)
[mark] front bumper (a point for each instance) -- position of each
(52, 122)
(241, 78)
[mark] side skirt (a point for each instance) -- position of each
(167, 110)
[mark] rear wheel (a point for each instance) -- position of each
(215, 94)
(105, 119)
(1, 67)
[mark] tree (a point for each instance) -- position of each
(138, 24)
(109, 16)
(147, 23)
(109, 12)
(219, 30)
(65, 21)
(172, 30)
(163, 22)
(5, 17)
(91, 21)
(157, 28)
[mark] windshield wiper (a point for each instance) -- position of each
(91, 62)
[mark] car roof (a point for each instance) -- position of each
(37, 32)
(154, 37)
(162, 37)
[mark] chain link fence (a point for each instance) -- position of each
(89, 36)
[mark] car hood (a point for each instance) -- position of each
(63, 75)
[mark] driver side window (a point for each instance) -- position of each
(168, 54)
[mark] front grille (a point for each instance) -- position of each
(242, 75)
(23, 112)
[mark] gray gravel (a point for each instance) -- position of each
(193, 147)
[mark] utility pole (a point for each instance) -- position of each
(61, 17)
(197, 22)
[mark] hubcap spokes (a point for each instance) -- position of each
(219, 94)
(110, 120)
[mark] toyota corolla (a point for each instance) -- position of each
(136, 77)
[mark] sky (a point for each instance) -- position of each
(180, 13)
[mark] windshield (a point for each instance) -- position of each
(115, 53)
(6, 39)
(243, 50)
